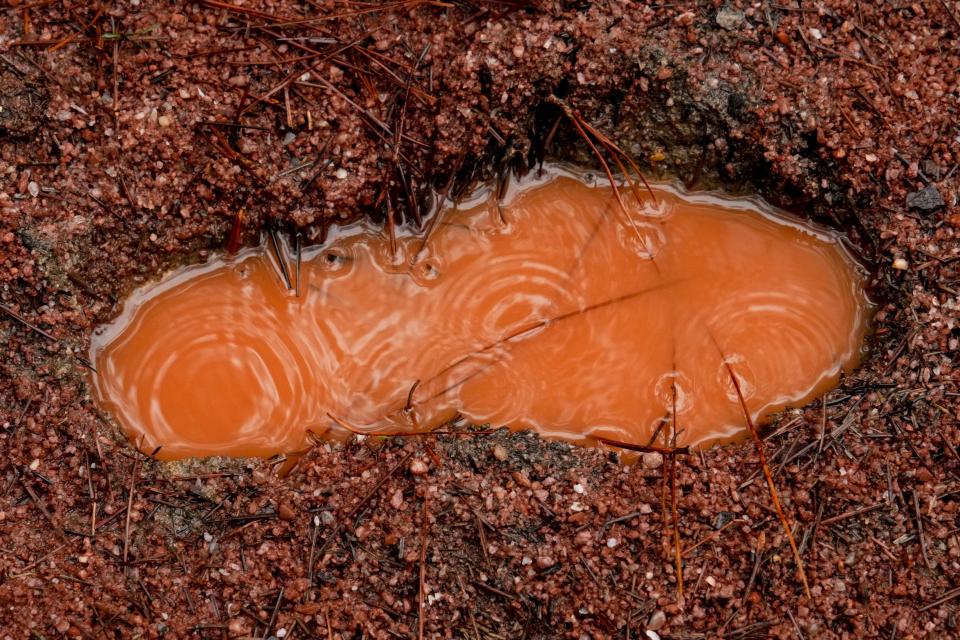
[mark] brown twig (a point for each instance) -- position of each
(644, 448)
(73, 35)
(948, 596)
(19, 318)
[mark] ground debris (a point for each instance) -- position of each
(926, 199)
(827, 90)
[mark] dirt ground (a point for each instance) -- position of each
(132, 135)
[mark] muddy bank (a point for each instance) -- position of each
(111, 171)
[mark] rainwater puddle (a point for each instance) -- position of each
(553, 311)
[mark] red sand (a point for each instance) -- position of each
(842, 108)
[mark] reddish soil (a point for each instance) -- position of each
(845, 110)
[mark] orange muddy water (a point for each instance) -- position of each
(554, 311)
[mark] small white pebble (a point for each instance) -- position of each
(33, 188)
(578, 488)
(652, 635)
(207, 537)
(710, 580)
(900, 264)
(816, 33)
(612, 542)
(281, 633)
(341, 173)
(652, 460)
(657, 620)
(418, 467)
(164, 121)
(35, 464)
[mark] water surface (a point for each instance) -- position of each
(553, 310)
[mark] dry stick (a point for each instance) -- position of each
(795, 625)
(643, 448)
(297, 73)
(664, 531)
(116, 84)
(402, 4)
(313, 545)
(19, 318)
(823, 426)
(273, 616)
(73, 35)
(766, 471)
(948, 596)
(849, 514)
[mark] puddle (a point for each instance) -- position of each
(552, 311)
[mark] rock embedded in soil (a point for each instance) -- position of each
(926, 199)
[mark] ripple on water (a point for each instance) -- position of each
(552, 311)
